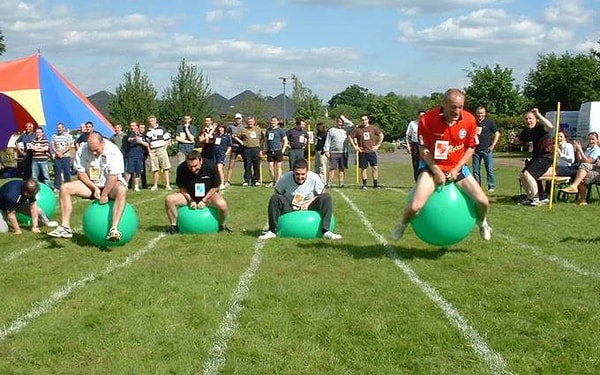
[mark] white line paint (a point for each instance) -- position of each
(561, 262)
(216, 357)
(15, 254)
(42, 307)
(494, 361)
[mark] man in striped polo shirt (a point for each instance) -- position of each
(158, 139)
(61, 145)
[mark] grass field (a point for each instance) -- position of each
(526, 302)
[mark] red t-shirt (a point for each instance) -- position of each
(447, 144)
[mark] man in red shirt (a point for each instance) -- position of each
(447, 140)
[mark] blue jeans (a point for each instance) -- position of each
(38, 167)
(488, 160)
(62, 171)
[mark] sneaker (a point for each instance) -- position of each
(377, 186)
(55, 190)
(536, 202)
(570, 189)
(154, 188)
(257, 184)
(168, 187)
(329, 235)
(341, 186)
(224, 228)
(136, 188)
(227, 184)
(525, 202)
(113, 235)
(222, 187)
(245, 184)
(267, 235)
(364, 187)
(485, 231)
(398, 231)
(173, 229)
(491, 190)
(51, 224)
(269, 185)
(61, 232)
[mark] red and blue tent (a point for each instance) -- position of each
(31, 89)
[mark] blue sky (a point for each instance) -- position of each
(408, 47)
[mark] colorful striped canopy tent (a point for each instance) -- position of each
(33, 90)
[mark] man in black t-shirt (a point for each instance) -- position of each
(198, 181)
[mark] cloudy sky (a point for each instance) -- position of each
(408, 47)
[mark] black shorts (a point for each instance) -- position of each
(537, 167)
(275, 156)
(367, 158)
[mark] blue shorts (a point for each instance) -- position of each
(367, 158)
(464, 171)
(135, 165)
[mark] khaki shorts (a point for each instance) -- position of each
(159, 159)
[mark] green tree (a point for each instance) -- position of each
(493, 89)
(189, 93)
(135, 98)
(383, 112)
(2, 45)
(569, 79)
(258, 107)
(308, 104)
(354, 95)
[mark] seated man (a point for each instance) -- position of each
(20, 196)
(300, 189)
(198, 181)
(99, 165)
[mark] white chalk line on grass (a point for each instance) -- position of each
(216, 357)
(42, 307)
(15, 254)
(563, 263)
(495, 361)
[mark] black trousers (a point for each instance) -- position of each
(252, 165)
(279, 205)
(414, 155)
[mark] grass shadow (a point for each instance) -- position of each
(579, 239)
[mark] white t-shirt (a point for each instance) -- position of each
(110, 162)
(299, 194)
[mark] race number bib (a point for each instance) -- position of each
(94, 173)
(199, 189)
(297, 200)
(441, 150)
(271, 136)
(366, 136)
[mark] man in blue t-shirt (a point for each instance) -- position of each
(300, 189)
(20, 196)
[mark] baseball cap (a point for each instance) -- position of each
(238, 115)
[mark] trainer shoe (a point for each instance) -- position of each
(224, 228)
(61, 232)
(570, 189)
(269, 185)
(51, 224)
(364, 187)
(136, 188)
(222, 187)
(329, 235)
(257, 184)
(154, 188)
(267, 235)
(536, 202)
(525, 202)
(491, 190)
(485, 231)
(245, 184)
(173, 229)
(398, 231)
(113, 235)
(168, 187)
(227, 184)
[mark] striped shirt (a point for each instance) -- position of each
(40, 149)
(158, 137)
(62, 142)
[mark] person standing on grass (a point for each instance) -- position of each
(23, 145)
(185, 135)
(21, 196)
(298, 139)
(320, 158)
(40, 157)
(99, 165)
(366, 140)
(237, 148)
(135, 155)
(198, 181)
(488, 135)
(336, 149)
(300, 189)
(159, 139)
(251, 138)
(412, 143)
(447, 140)
(537, 132)
(276, 143)
(61, 145)
(223, 144)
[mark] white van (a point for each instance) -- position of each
(589, 120)
(568, 121)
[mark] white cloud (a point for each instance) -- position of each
(567, 12)
(273, 27)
